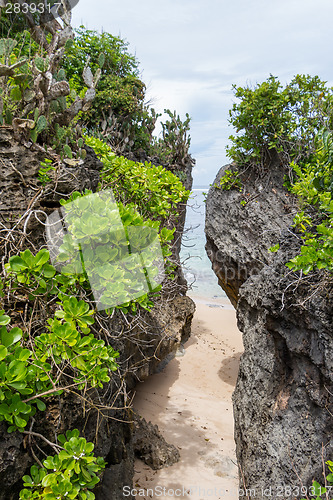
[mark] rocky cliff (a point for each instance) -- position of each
(142, 341)
(283, 397)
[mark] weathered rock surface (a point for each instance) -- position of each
(283, 397)
(151, 447)
(238, 237)
(143, 342)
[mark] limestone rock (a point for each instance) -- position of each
(143, 343)
(284, 393)
(150, 446)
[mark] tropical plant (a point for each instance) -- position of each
(229, 180)
(314, 187)
(103, 50)
(155, 191)
(174, 145)
(118, 113)
(271, 119)
(67, 355)
(35, 96)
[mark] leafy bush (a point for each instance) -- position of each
(154, 190)
(67, 355)
(314, 187)
(276, 119)
(118, 113)
(57, 351)
(70, 474)
(103, 50)
(35, 96)
(120, 259)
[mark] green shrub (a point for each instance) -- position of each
(103, 50)
(70, 474)
(66, 355)
(314, 187)
(118, 113)
(174, 145)
(154, 190)
(270, 118)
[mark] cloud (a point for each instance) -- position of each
(191, 52)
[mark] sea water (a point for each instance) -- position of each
(197, 266)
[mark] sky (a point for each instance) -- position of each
(191, 52)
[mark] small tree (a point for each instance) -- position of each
(270, 118)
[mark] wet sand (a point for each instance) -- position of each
(190, 401)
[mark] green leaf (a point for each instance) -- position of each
(3, 352)
(61, 132)
(317, 489)
(79, 363)
(8, 117)
(69, 43)
(86, 475)
(4, 409)
(24, 354)
(274, 248)
(40, 405)
(28, 258)
(27, 481)
(49, 463)
(41, 64)
(101, 60)
(34, 134)
(330, 465)
(17, 385)
(49, 480)
(17, 264)
(4, 320)
(48, 271)
(42, 257)
(7, 46)
(20, 422)
(9, 338)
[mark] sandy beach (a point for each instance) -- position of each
(190, 401)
